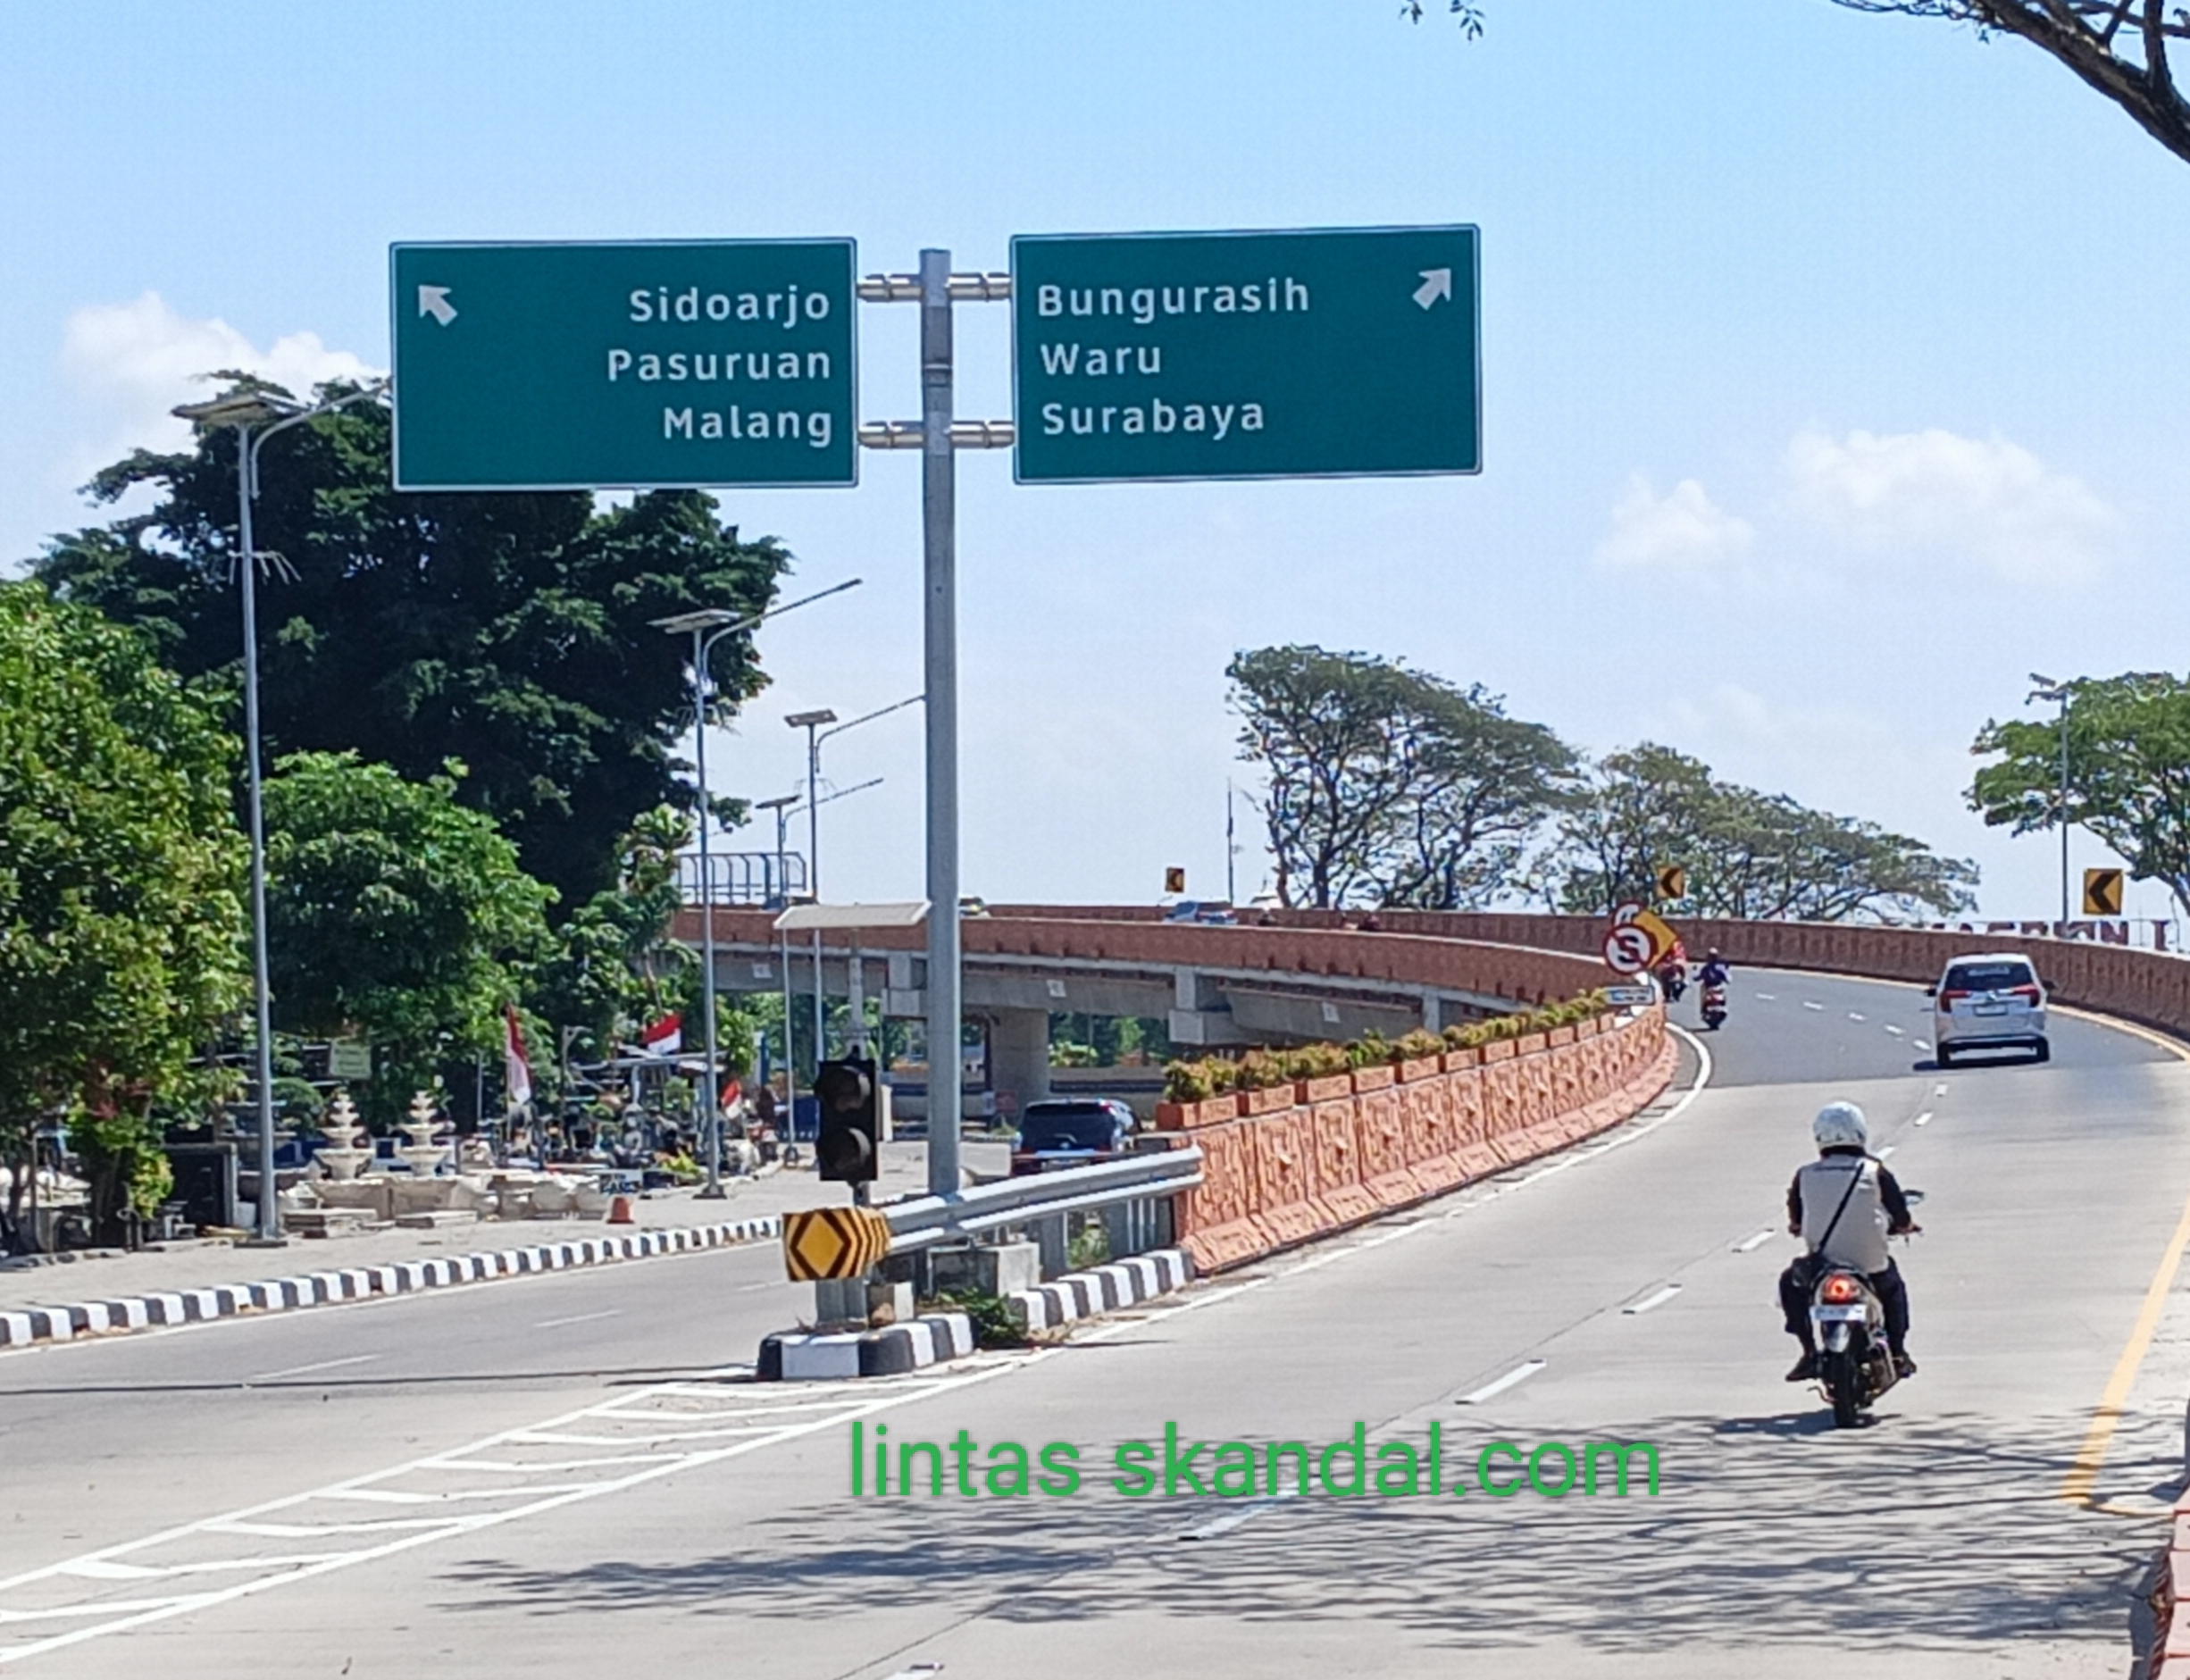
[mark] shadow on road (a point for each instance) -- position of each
(1940, 1533)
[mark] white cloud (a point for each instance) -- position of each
(131, 363)
(1991, 502)
(1682, 527)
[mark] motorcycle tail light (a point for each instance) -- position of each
(1840, 1289)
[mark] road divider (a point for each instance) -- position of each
(23, 1327)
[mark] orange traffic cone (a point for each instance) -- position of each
(620, 1211)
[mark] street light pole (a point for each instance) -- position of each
(812, 723)
(257, 417)
(707, 626)
(2049, 689)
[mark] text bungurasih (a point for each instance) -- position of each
(1349, 1467)
(1107, 363)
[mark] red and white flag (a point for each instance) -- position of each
(516, 1065)
(733, 1087)
(664, 1037)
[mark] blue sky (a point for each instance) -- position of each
(1834, 363)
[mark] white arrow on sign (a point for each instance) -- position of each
(1436, 283)
(433, 300)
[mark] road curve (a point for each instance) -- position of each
(1933, 1541)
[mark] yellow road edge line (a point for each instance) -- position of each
(2083, 1475)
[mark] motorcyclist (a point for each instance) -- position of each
(1846, 1224)
(1714, 972)
(1672, 972)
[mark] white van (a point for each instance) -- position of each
(1994, 1002)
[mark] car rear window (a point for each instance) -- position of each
(1989, 977)
(1082, 1126)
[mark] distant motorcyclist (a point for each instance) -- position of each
(1843, 1206)
(1672, 975)
(1714, 972)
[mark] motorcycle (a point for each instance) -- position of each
(1854, 1366)
(1674, 983)
(1713, 1008)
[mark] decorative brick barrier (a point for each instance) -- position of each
(1289, 1165)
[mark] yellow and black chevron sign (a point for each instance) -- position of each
(2103, 892)
(833, 1242)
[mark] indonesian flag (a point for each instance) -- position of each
(733, 1087)
(516, 1065)
(666, 1037)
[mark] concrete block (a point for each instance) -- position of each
(954, 1335)
(166, 1309)
(14, 1330)
(1003, 1268)
(808, 1358)
(894, 1351)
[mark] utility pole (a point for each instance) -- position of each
(2049, 689)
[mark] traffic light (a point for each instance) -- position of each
(845, 1091)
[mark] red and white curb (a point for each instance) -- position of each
(25, 1326)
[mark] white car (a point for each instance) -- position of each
(1993, 1002)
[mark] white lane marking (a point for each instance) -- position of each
(1922, 1044)
(1924, 1118)
(1231, 1520)
(1896, 1032)
(324, 1365)
(1756, 1242)
(1808, 1005)
(1520, 1373)
(1649, 1301)
(581, 1318)
(1939, 1090)
(918, 1671)
(1768, 997)
(648, 1414)
(1886, 1151)
(1853, 1016)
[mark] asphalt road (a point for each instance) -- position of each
(543, 1476)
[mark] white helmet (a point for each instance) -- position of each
(1840, 1124)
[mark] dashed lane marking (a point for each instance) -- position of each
(1808, 1005)
(1651, 1301)
(578, 1318)
(1520, 1373)
(305, 1370)
(1756, 1241)
(1895, 1030)
(1853, 1016)
(1231, 1520)
(1768, 997)
(1924, 1118)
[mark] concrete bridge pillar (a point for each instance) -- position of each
(1019, 1057)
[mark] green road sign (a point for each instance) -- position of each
(1316, 353)
(649, 365)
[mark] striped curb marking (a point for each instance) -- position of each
(22, 1326)
(794, 1356)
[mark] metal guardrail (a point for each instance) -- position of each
(1044, 1199)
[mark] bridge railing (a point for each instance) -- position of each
(1136, 1196)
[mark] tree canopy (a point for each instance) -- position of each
(393, 909)
(120, 868)
(1747, 854)
(509, 632)
(2128, 778)
(1389, 785)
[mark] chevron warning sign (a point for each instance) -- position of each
(833, 1242)
(2103, 892)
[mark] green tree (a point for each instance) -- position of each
(511, 633)
(613, 963)
(120, 923)
(1388, 785)
(393, 909)
(2128, 778)
(1748, 854)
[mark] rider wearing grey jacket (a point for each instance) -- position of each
(1843, 1206)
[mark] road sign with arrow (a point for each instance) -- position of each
(654, 364)
(1309, 354)
(2103, 891)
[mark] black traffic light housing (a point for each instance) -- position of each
(844, 1089)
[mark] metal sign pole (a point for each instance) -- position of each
(938, 543)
